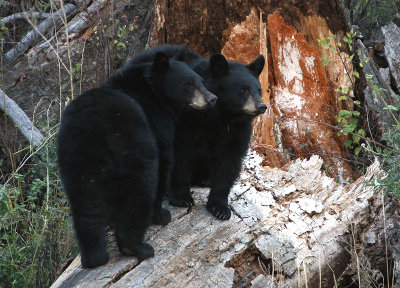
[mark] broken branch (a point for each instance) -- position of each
(34, 34)
(24, 15)
(21, 120)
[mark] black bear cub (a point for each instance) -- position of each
(108, 155)
(210, 145)
(163, 110)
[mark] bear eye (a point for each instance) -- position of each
(189, 84)
(244, 91)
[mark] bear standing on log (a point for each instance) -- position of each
(210, 145)
(112, 143)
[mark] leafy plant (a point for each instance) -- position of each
(390, 161)
(348, 120)
(36, 234)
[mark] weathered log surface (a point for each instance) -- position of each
(391, 33)
(376, 101)
(293, 220)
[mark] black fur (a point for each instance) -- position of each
(115, 152)
(170, 96)
(210, 145)
(108, 165)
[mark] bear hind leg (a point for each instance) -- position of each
(90, 231)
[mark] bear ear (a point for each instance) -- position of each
(183, 53)
(161, 63)
(257, 65)
(218, 65)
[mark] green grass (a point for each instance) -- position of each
(36, 231)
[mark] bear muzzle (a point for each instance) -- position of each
(203, 99)
(254, 106)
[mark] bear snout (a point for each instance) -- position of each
(203, 99)
(211, 99)
(261, 108)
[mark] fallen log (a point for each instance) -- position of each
(377, 94)
(33, 36)
(24, 15)
(21, 120)
(391, 32)
(288, 228)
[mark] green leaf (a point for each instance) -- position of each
(348, 143)
(369, 76)
(344, 113)
(323, 41)
(355, 73)
(391, 107)
(345, 90)
(357, 150)
(356, 139)
(325, 62)
(357, 102)
(341, 98)
(361, 132)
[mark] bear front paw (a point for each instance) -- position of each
(182, 200)
(220, 211)
(162, 218)
(94, 258)
(141, 251)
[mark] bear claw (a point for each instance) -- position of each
(221, 212)
(185, 200)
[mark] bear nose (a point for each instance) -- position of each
(212, 100)
(261, 108)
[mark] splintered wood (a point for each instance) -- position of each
(291, 223)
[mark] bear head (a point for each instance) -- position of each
(179, 83)
(236, 85)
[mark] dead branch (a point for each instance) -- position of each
(34, 34)
(81, 21)
(24, 15)
(21, 120)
